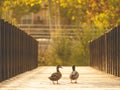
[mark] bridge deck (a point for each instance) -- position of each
(37, 79)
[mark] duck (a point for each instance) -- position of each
(56, 75)
(74, 74)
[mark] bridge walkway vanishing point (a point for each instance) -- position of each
(37, 79)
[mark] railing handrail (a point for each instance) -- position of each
(105, 52)
(18, 51)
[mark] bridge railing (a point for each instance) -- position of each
(105, 52)
(18, 51)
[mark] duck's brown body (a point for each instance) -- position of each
(56, 76)
(74, 74)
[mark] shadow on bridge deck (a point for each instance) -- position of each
(37, 79)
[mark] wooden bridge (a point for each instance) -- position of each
(37, 79)
(19, 65)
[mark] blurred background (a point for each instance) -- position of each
(63, 28)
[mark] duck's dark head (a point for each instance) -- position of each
(73, 67)
(58, 66)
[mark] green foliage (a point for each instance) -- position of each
(13, 10)
(102, 13)
(36, 8)
(63, 47)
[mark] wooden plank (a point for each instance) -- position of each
(37, 79)
(0, 50)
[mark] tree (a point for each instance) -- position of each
(12, 10)
(63, 48)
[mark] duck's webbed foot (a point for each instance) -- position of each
(76, 81)
(53, 82)
(57, 82)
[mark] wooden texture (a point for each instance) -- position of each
(18, 51)
(105, 52)
(37, 79)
